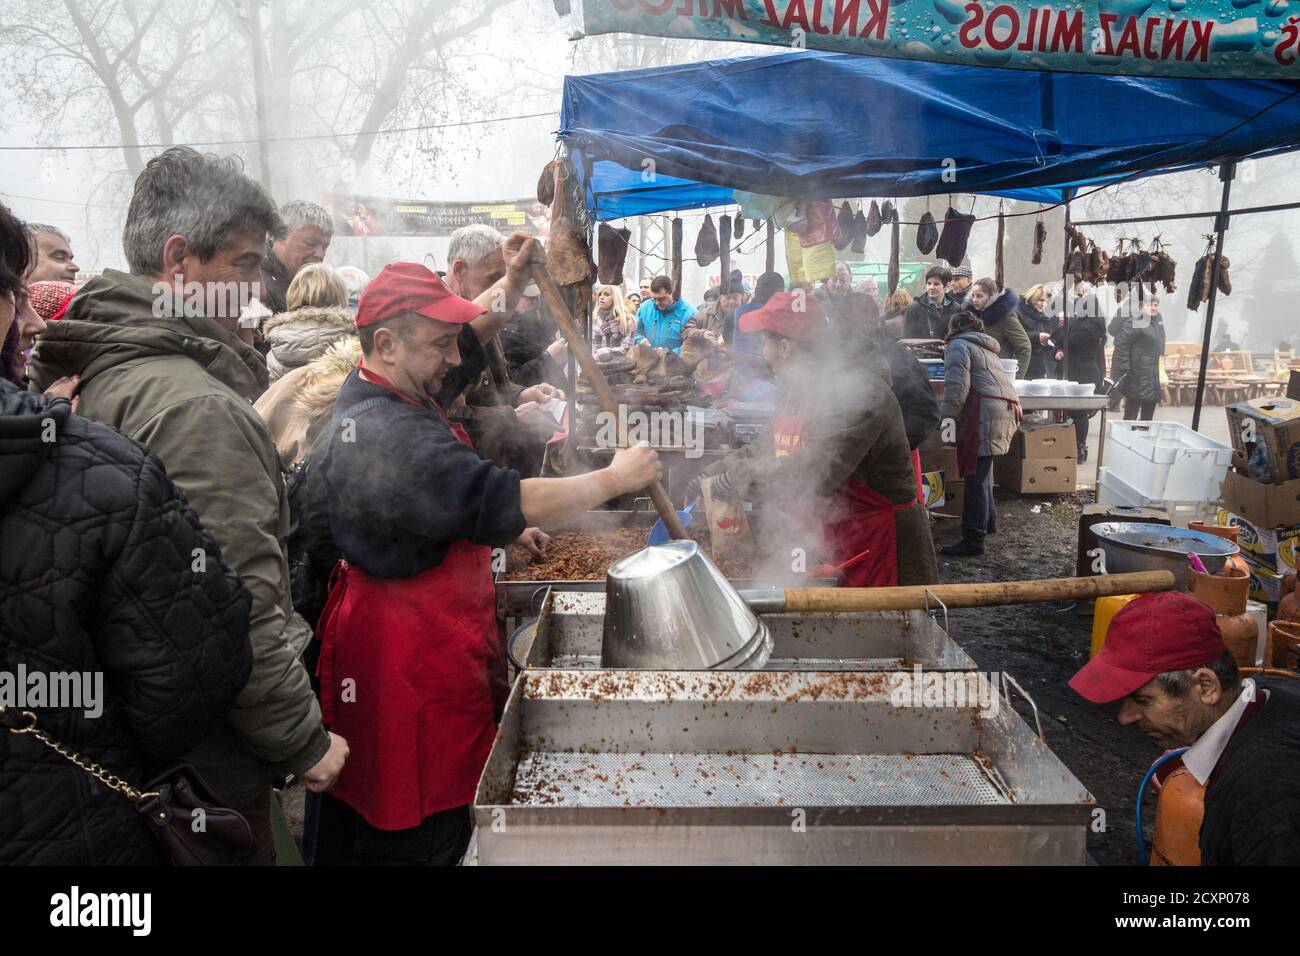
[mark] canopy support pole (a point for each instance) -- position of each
(1067, 296)
(1226, 173)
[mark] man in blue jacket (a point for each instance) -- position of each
(660, 320)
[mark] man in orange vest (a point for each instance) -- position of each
(1165, 662)
(410, 655)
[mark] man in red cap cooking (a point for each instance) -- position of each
(835, 471)
(410, 656)
(1165, 662)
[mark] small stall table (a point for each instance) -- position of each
(1071, 403)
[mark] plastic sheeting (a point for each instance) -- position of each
(829, 125)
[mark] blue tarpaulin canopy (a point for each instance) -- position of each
(832, 125)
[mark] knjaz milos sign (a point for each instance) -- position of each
(1190, 38)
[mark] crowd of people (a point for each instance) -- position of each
(268, 517)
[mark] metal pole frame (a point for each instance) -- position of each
(1063, 367)
(1226, 173)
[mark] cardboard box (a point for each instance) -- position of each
(1274, 549)
(933, 487)
(1266, 432)
(1264, 506)
(943, 458)
(1029, 476)
(1043, 440)
(954, 497)
(1265, 586)
(934, 442)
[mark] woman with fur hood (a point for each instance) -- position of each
(998, 311)
(299, 404)
(318, 317)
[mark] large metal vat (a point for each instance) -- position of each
(663, 767)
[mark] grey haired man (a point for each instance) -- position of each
(309, 229)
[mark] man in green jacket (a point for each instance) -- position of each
(158, 359)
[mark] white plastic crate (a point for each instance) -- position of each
(1166, 461)
(1113, 490)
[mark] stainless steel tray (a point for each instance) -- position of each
(567, 635)
(519, 599)
(608, 767)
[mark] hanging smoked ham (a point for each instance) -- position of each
(845, 222)
(677, 258)
(706, 243)
(998, 271)
(611, 253)
(927, 234)
(893, 252)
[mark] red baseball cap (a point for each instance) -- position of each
(410, 287)
(1166, 631)
(791, 315)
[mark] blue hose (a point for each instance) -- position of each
(1142, 792)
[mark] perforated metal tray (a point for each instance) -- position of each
(739, 780)
(643, 767)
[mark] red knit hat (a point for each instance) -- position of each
(50, 298)
(791, 315)
(410, 287)
(1167, 631)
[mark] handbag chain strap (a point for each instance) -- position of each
(106, 777)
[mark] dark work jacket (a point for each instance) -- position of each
(405, 489)
(1086, 335)
(911, 386)
(1042, 358)
(925, 320)
(1252, 804)
(275, 283)
(1136, 359)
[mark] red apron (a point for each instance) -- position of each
(968, 429)
(406, 670)
(862, 541)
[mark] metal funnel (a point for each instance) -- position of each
(668, 607)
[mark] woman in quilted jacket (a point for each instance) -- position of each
(110, 587)
(979, 400)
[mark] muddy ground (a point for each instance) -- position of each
(1041, 646)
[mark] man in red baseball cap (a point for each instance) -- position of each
(411, 667)
(1165, 661)
(836, 465)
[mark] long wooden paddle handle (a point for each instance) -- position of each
(976, 595)
(605, 395)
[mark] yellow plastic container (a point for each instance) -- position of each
(1105, 609)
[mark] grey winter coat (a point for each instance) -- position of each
(296, 338)
(970, 363)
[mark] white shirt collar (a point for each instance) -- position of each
(1202, 757)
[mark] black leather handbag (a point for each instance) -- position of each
(184, 815)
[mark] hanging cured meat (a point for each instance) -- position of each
(706, 243)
